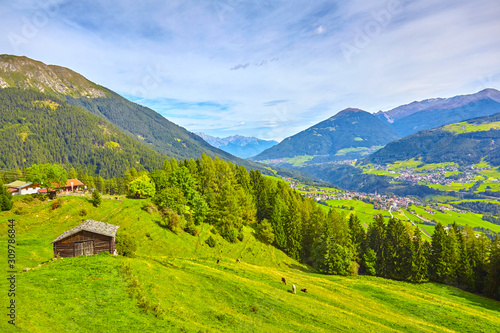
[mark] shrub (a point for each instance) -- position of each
(56, 204)
(19, 211)
(190, 226)
(83, 212)
(172, 220)
(148, 207)
(126, 245)
(211, 241)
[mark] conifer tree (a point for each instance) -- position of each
(278, 220)
(438, 260)
(375, 240)
(419, 262)
(96, 198)
(6, 202)
(493, 279)
(357, 235)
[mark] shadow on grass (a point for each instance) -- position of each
(477, 300)
(302, 268)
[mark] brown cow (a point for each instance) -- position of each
(304, 290)
(283, 280)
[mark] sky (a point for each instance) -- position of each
(267, 69)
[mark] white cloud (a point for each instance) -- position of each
(261, 60)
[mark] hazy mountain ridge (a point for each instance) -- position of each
(430, 113)
(238, 145)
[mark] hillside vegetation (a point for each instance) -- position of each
(175, 284)
(41, 128)
(465, 143)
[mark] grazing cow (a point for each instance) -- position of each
(304, 290)
(218, 261)
(294, 290)
(283, 280)
(238, 260)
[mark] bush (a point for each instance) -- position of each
(148, 207)
(211, 241)
(172, 220)
(19, 211)
(83, 212)
(126, 245)
(56, 204)
(190, 226)
(39, 196)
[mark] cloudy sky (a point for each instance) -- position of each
(263, 68)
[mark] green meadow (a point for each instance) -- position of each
(174, 284)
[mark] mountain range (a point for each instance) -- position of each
(354, 134)
(430, 113)
(238, 145)
(351, 133)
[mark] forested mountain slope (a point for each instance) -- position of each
(465, 143)
(349, 134)
(37, 128)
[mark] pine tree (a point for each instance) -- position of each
(375, 240)
(278, 219)
(357, 235)
(6, 202)
(397, 251)
(419, 262)
(493, 278)
(96, 198)
(438, 260)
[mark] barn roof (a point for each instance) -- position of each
(97, 227)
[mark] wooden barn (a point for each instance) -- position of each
(90, 237)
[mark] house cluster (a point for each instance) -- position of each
(382, 202)
(20, 187)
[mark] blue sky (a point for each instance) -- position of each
(263, 68)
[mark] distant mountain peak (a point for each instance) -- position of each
(238, 145)
(349, 111)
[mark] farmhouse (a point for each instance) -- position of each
(90, 237)
(19, 187)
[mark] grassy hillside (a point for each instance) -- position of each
(174, 284)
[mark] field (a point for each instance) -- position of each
(412, 163)
(452, 187)
(465, 127)
(381, 172)
(175, 285)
